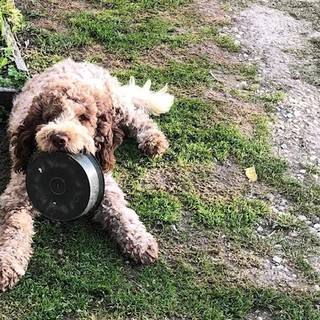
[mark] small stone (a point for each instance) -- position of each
(174, 228)
(283, 202)
(259, 318)
(293, 234)
(316, 287)
(313, 158)
(244, 83)
(278, 246)
(237, 43)
(308, 222)
(302, 171)
(276, 259)
(302, 217)
(312, 230)
(60, 252)
(260, 229)
(271, 197)
(297, 113)
(317, 226)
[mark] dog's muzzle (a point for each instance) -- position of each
(59, 141)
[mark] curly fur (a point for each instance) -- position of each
(78, 107)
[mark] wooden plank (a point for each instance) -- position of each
(12, 43)
(7, 36)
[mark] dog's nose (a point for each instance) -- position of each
(59, 140)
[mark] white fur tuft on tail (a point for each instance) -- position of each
(152, 102)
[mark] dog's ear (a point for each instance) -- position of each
(23, 138)
(45, 106)
(107, 138)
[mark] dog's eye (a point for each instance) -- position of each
(83, 118)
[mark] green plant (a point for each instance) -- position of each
(10, 76)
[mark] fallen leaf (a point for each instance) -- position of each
(251, 174)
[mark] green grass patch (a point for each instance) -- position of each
(236, 214)
(118, 31)
(227, 42)
(142, 4)
(306, 198)
(177, 74)
(268, 100)
(224, 141)
(196, 138)
(56, 43)
(89, 275)
(156, 205)
(131, 29)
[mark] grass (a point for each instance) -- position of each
(235, 214)
(195, 199)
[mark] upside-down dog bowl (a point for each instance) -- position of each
(63, 186)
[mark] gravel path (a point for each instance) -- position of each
(272, 38)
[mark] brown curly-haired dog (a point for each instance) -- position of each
(77, 107)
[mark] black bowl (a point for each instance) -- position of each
(63, 186)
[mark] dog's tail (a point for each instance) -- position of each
(152, 102)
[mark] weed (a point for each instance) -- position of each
(286, 221)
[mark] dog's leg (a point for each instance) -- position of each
(16, 231)
(124, 225)
(150, 139)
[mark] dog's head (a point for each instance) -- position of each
(68, 117)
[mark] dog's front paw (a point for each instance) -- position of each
(10, 271)
(154, 145)
(143, 250)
